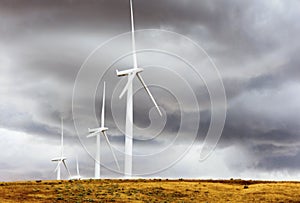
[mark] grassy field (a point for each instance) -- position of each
(149, 191)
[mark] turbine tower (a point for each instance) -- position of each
(131, 73)
(77, 169)
(96, 132)
(62, 158)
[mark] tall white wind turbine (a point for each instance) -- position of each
(96, 132)
(62, 158)
(131, 73)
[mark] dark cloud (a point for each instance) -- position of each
(280, 162)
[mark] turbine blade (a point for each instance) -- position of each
(93, 134)
(149, 93)
(62, 138)
(111, 149)
(77, 167)
(66, 167)
(130, 78)
(133, 36)
(57, 166)
(103, 107)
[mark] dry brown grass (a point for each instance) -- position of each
(150, 191)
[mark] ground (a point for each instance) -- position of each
(156, 190)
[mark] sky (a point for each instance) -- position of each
(232, 65)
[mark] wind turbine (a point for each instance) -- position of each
(77, 169)
(62, 158)
(131, 73)
(96, 132)
(78, 176)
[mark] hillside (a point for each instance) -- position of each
(149, 191)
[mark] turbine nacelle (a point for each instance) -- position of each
(96, 130)
(129, 71)
(59, 159)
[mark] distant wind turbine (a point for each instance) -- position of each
(77, 169)
(62, 158)
(131, 73)
(77, 176)
(96, 132)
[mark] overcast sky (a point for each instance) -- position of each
(254, 45)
